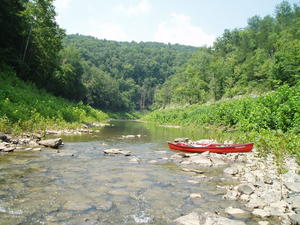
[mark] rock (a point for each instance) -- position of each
(217, 161)
(105, 206)
(247, 189)
(52, 143)
(190, 219)
(295, 219)
(268, 180)
(134, 160)
(152, 161)
(234, 211)
(195, 196)
(261, 213)
(193, 181)
(8, 149)
(293, 186)
(181, 140)
(213, 219)
(294, 202)
(263, 223)
(117, 151)
(245, 197)
(200, 159)
(4, 137)
(192, 170)
(128, 136)
(33, 143)
(37, 149)
(231, 170)
(231, 195)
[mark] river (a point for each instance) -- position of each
(82, 185)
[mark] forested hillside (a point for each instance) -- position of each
(117, 75)
(254, 59)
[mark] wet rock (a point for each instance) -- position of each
(134, 160)
(70, 205)
(246, 189)
(200, 159)
(52, 143)
(231, 170)
(128, 136)
(295, 219)
(195, 196)
(105, 206)
(261, 213)
(234, 211)
(190, 219)
(231, 195)
(117, 151)
(8, 149)
(263, 223)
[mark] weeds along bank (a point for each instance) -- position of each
(271, 121)
(23, 107)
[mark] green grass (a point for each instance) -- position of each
(271, 121)
(24, 107)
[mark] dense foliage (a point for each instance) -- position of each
(255, 59)
(272, 121)
(117, 75)
(25, 107)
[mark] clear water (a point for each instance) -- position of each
(92, 188)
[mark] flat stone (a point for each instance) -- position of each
(234, 211)
(261, 213)
(70, 205)
(246, 189)
(200, 159)
(105, 206)
(190, 219)
(213, 219)
(195, 196)
(263, 223)
(293, 186)
(231, 195)
(52, 143)
(117, 151)
(9, 149)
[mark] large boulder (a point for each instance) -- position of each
(51, 143)
(117, 151)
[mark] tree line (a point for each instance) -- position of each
(120, 76)
(258, 58)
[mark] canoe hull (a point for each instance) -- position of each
(215, 148)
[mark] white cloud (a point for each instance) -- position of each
(60, 6)
(141, 7)
(109, 31)
(179, 29)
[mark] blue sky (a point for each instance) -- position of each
(189, 22)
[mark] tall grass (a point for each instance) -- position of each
(24, 107)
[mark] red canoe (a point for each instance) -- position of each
(216, 148)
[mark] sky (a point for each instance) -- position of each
(188, 22)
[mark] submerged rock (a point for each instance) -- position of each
(52, 143)
(117, 151)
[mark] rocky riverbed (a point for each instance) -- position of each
(254, 182)
(266, 194)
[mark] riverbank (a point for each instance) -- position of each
(24, 107)
(269, 196)
(271, 121)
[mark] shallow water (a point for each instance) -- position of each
(81, 185)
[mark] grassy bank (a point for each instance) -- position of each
(23, 107)
(271, 121)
